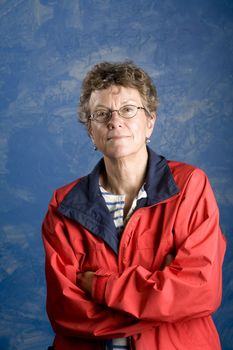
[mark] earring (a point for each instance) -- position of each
(94, 147)
(147, 140)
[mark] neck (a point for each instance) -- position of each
(125, 175)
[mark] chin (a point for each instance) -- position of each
(116, 152)
(120, 152)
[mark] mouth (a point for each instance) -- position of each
(117, 137)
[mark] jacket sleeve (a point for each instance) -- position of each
(70, 310)
(190, 286)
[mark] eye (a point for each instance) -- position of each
(101, 114)
(127, 109)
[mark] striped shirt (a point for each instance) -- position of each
(115, 204)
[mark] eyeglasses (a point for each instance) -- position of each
(104, 115)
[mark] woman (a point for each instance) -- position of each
(134, 251)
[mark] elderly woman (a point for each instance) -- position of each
(134, 251)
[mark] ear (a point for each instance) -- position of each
(89, 130)
(151, 119)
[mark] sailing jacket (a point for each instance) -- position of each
(134, 294)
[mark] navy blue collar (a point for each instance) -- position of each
(160, 184)
(85, 204)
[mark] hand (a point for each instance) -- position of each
(168, 260)
(84, 280)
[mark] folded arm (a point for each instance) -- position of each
(72, 312)
(190, 287)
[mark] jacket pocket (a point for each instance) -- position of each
(151, 252)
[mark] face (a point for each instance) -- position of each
(120, 137)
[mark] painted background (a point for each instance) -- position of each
(46, 48)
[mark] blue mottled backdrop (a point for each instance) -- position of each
(47, 46)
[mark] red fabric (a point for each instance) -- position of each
(133, 294)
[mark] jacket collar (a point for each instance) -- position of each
(160, 184)
(85, 204)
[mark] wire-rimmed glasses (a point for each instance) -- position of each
(102, 115)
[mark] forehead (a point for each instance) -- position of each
(116, 94)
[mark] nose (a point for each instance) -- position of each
(115, 120)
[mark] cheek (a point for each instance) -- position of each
(97, 135)
(139, 130)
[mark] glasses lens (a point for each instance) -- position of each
(128, 111)
(101, 115)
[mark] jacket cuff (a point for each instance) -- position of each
(99, 284)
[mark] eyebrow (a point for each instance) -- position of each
(101, 106)
(124, 103)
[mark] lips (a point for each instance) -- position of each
(117, 137)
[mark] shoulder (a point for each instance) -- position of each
(61, 192)
(184, 173)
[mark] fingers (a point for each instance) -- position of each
(168, 260)
(84, 280)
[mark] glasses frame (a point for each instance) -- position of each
(110, 111)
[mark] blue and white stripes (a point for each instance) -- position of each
(115, 204)
(117, 344)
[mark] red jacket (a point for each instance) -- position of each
(134, 295)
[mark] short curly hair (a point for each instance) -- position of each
(126, 74)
